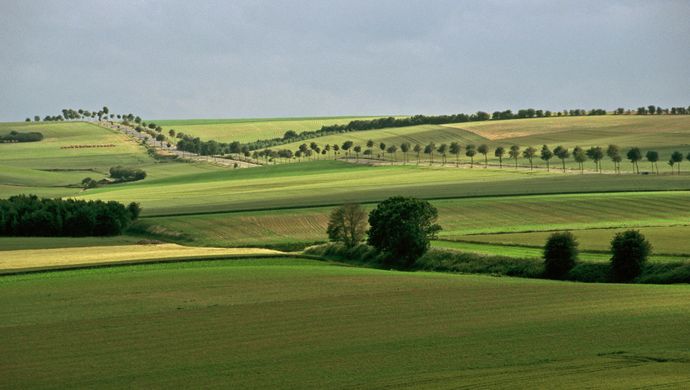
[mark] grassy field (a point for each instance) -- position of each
(304, 324)
(459, 218)
(332, 182)
(248, 130)
(24, 259)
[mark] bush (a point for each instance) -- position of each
(28, 215)
(127, 174)
(401, 228)
(630, 250)
(15, 136)
(560, 255)
(89, 183)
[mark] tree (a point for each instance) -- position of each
(370, 145)
(160, 138)
(89, 183)
(357, 149)
(483, 149)
(417, 149)
(560, 255)
(455, 149)
(347, 224)
(677, 157)
(391, 150)
(629, 251)
(514, 153)
(529, 154)
(171, 133)
(401, 228)
(653, 157)
(405, 148)
(614, 153)
(500, 152)
(429, 149)
(635, 155)
(596, 154)
(336, 151)
(546, 155)
(37, 118)
(382, 146)
(443, 150)
(580, 157)
(470, 151)
(562, 153)
(346, 147)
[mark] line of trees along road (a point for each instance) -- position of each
(440, 153)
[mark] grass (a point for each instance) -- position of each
(305, 324)
(248, 130)
(33, 259)
(15, 243)
(666, 239)
(332, 182)
(459, 217)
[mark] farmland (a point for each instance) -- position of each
(307, 324)
(248, 130)
(233, 316)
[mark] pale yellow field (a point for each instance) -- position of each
(69, 257)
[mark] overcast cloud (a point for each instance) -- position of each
(208, 59)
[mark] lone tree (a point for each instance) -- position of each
(546, 155)
(402, 228)
(483, 149)
(500, 152)
(629, 250)
(560, 255)
(347, 224)
(653, 158)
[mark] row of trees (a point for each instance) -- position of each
(629, 253)
(28, 215)
(596, 153)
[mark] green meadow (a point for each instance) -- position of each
(307, 324)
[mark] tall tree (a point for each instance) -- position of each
(514, 153)
(443, 150)
(346, 147)
(471, 151)
(580, 156)
(596, 153)
(629, 250)
(382, 146)
(405, 148)
(429, 149)
(455, 149)
(417, 149)
(653, 157)
(560, 255)
(635, 155)
(562, 153)
(529, 155)
(357, 149)
(347, 224)
(500, 152)
(546, 156)
(614, 153)
(370, 146)
(391, 150)
(483, 149)
(677, 157)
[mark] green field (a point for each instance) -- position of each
(249, 130)
(305, 324)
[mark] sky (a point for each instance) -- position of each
(241, 59)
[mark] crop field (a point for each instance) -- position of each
(307, 324)
(249, 130)
(13, 260)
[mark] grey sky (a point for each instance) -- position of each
(183, 59)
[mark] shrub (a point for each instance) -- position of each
(401, 228)
(629, 250)
(560, 255)
(15, 136)
(127, 174)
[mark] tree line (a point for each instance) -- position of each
(29, 215)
